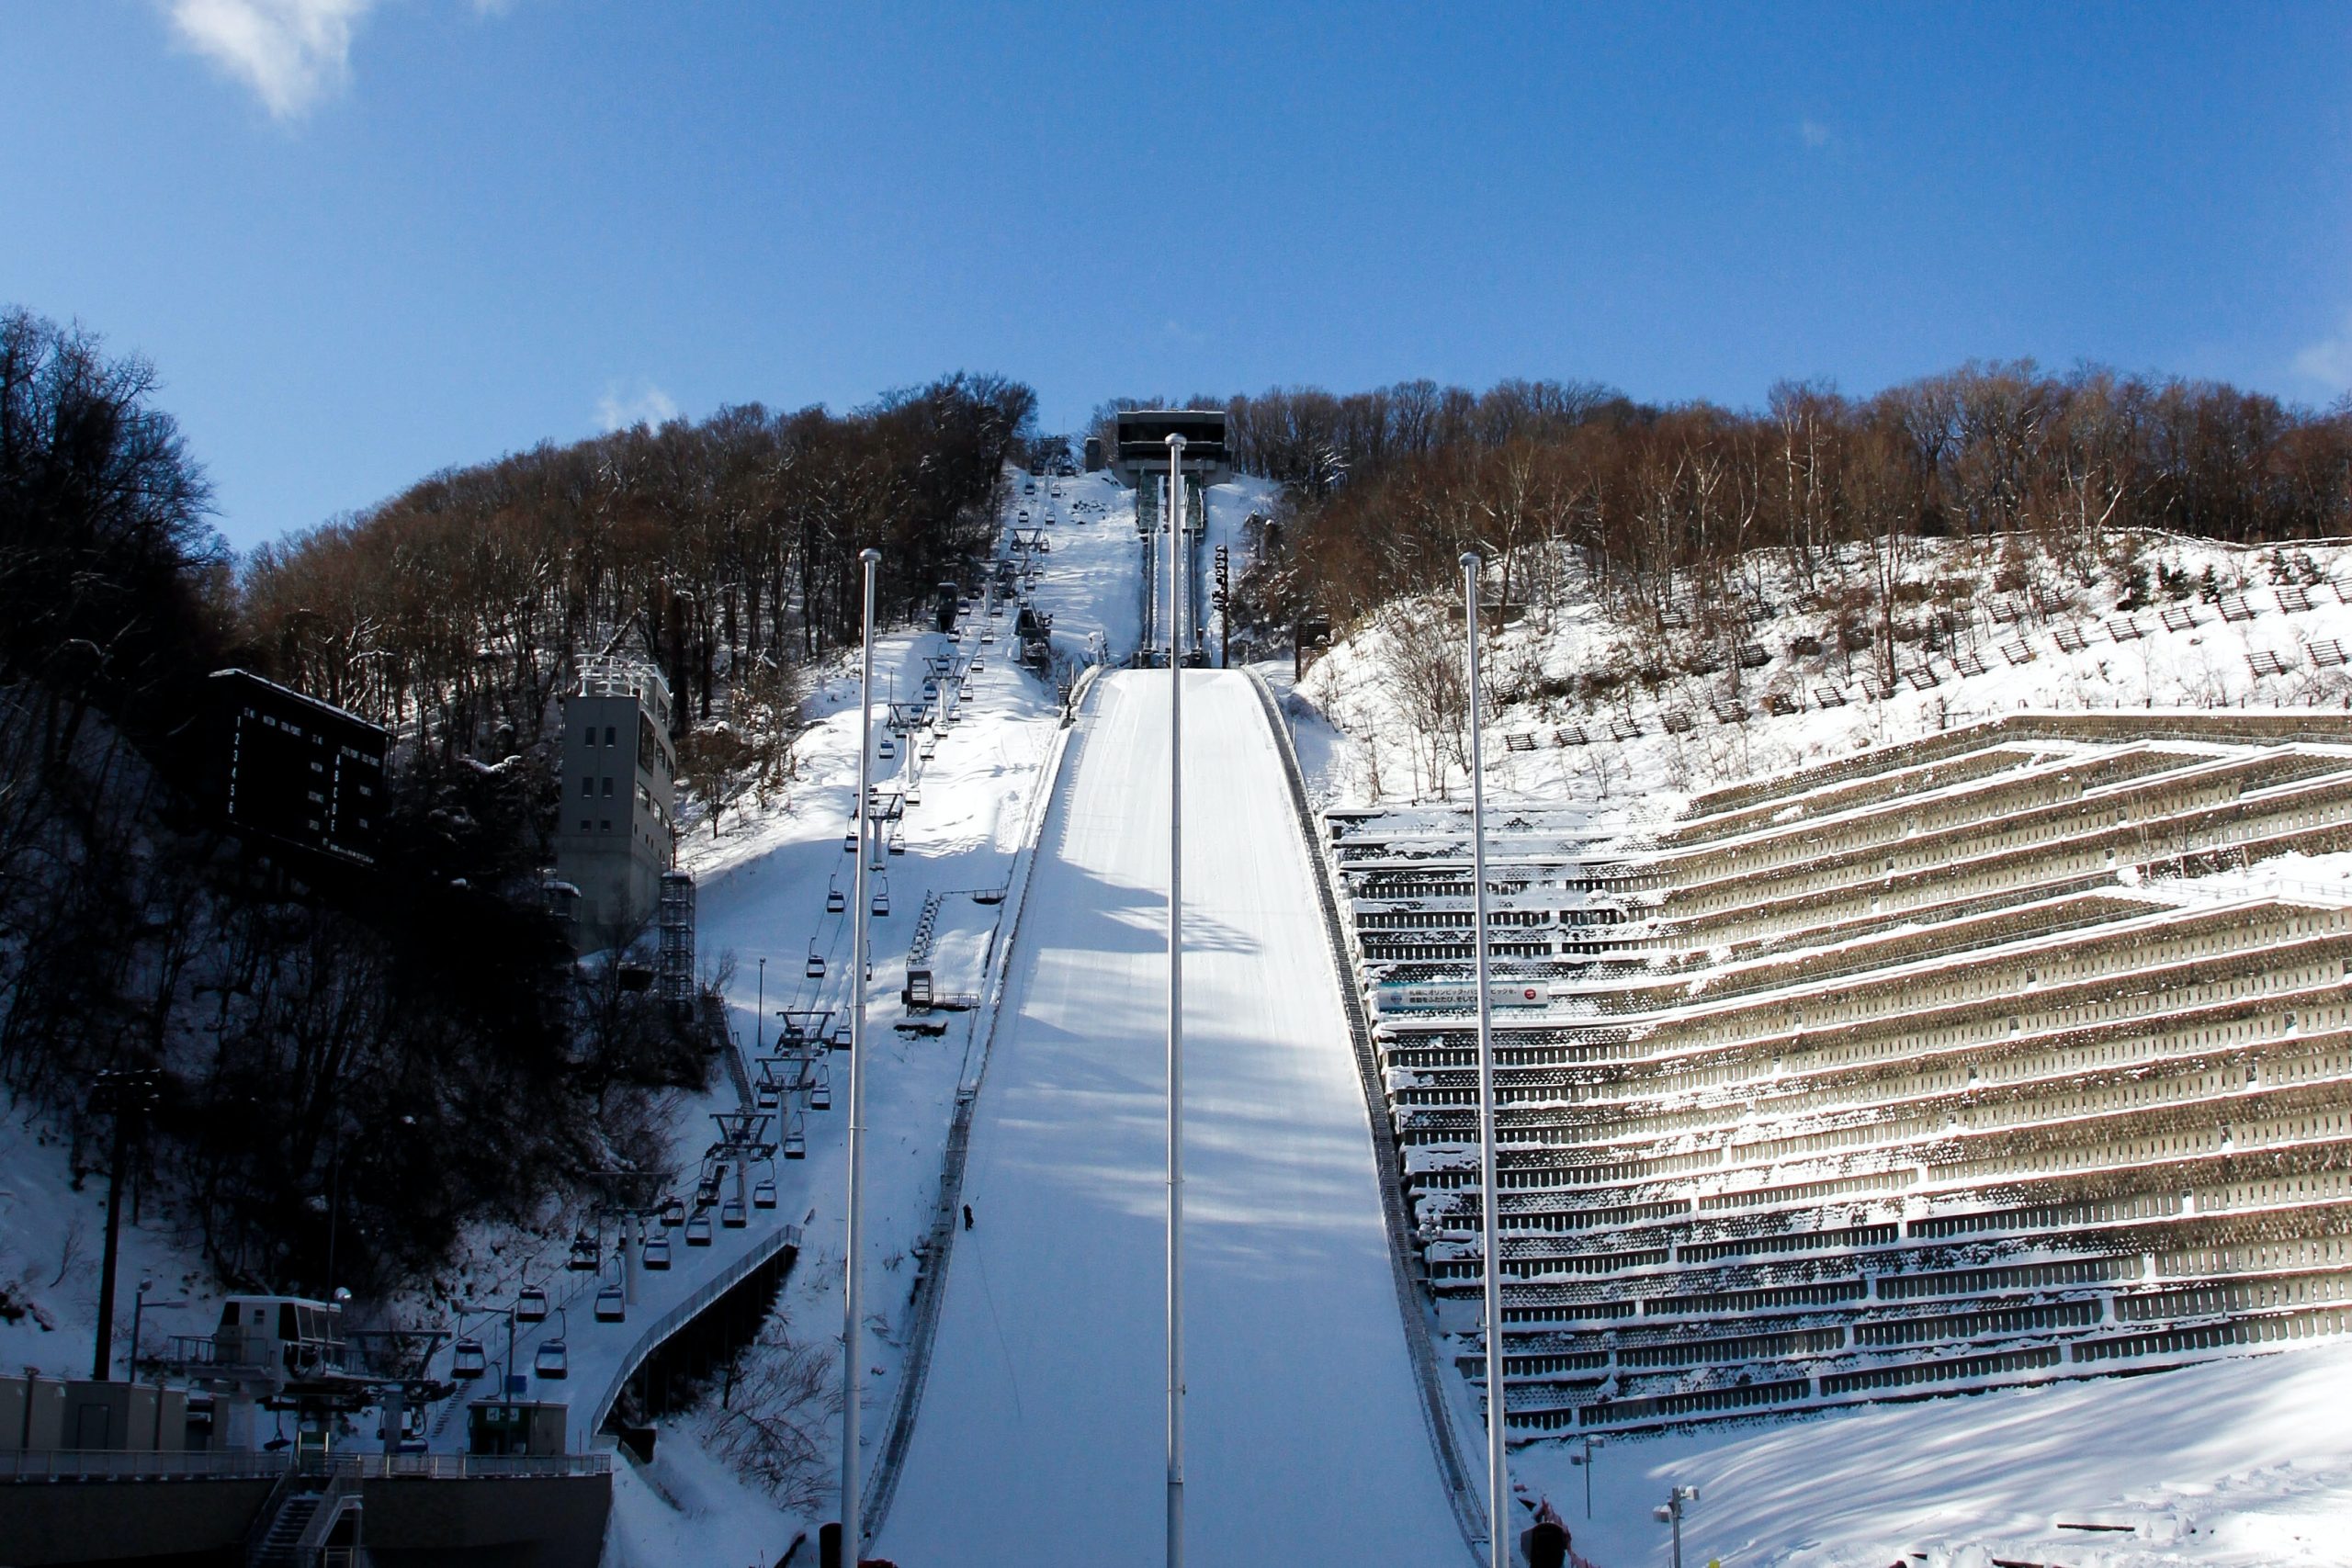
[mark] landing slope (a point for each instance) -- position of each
(1040, 1435)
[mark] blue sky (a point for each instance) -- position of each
(366, 239)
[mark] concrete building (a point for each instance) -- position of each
(620, 781)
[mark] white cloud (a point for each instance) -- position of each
(2330, 359)
(290, 52)
(649, 404)
(1816, 135)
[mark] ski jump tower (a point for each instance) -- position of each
(1141, 465)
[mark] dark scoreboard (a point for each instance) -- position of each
(297, 771)
(1143, 435)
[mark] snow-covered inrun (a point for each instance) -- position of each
(1041, 1435)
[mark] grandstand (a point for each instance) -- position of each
(1929, 1069)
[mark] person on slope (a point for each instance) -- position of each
(1547, 1540)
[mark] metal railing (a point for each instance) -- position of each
(760, 1252)
(340, 1496)
(108, 1464)
(202, 1465)
(1469, 1517)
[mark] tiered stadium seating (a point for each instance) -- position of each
(1926, 1071)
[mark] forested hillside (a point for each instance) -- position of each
(1661, 504)
(355, 1070)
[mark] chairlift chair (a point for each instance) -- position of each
(898, 844)
(882, 900)
(673, 1213)
(732, 1214)
(820, 1092)
(836, 901)
(611, 1306)
(657, 1253)
(468, 1361)
(816, 970)
(699, 1231)
(849, 842)
(553, 1361)
(763, 1193)
(763, 1095)
(531, 1306)
(888, 751)
(914, 795)
(584, 1254)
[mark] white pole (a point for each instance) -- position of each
(1498, 1474)
(1175, 1019)
(852, 1532)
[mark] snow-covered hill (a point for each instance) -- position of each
(1596, 702)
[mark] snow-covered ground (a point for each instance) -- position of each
(2275, 631)
(2237, 1462)
(1040, 1437)
(762, 896)
(2244, 1464)
(50, 1241)
(761, 887)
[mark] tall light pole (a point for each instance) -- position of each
(853, 1528)
(140, 1306)
(1498, 1474)
(1584, 1460)
(1175, 1015)
(1670, 1513)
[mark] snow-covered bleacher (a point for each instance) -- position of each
(1911, 1073)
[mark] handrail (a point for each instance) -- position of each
(1469, 1517)
(931, 1292)
(258, 1530)
(341, 1497)
(35, 1465)
(756, 1256)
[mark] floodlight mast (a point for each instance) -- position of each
(852, 1526)
(1497, 1471)
(1175, 1014)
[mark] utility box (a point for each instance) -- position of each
(620, 786)
(32, 1413)
(511, 1427)
(44, 1423)
(119, 1417)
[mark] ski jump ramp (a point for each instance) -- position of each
(1040, 1437)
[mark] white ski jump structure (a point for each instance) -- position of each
(1040, 1424)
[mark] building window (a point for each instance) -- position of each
(608, 789)
(587, 788)
(587, 826)
(608, 736)
(605, 825)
